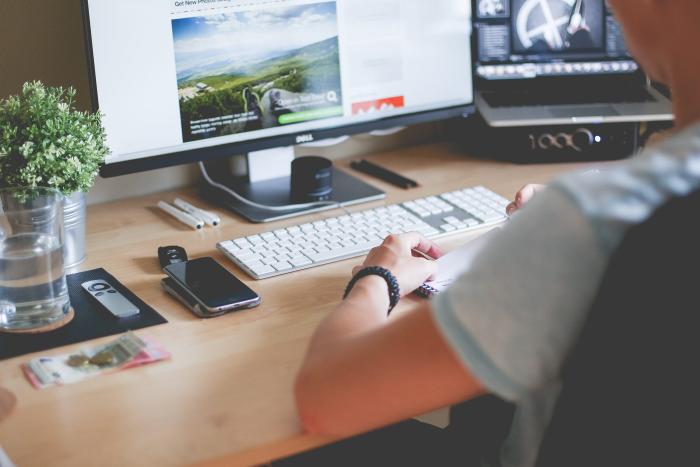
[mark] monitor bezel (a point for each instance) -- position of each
(225, 150)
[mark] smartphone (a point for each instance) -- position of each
(207, 288)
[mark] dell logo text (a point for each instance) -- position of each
(307, 138)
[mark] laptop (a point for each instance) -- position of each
(552, 62)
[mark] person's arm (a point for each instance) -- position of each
(506, 325)
(364, 370)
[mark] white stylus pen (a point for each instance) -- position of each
(182, 216)
(209, 218)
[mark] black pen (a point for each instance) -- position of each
(383, 174)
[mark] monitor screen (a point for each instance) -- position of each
(521, 39)
(185, 80)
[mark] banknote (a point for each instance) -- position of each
(8, 402)
(127, 351)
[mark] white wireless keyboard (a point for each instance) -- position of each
(325, 241)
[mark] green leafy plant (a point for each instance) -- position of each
(45, 142)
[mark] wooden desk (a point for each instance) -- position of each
(226, 396)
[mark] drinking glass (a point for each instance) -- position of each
(33, 291)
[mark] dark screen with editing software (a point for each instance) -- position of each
(520, 39)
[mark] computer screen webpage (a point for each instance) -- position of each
(177, 75)
(529, 38)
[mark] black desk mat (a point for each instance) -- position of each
(90, 322)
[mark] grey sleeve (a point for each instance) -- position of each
(516, 314)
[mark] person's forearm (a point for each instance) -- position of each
(359, 359)
(365, 308)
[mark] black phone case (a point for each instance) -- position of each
(184, 296)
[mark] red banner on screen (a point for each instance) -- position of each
(378, 105)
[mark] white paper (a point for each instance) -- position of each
(5, 460)
(458, 262)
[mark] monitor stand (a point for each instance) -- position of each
(246, 178)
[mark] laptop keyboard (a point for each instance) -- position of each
(530, 98)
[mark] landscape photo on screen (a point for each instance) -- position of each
(558, 25)
(251, 70)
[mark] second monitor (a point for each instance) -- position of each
(554, 62)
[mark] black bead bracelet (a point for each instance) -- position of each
(392, 283)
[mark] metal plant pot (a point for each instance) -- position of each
(74, 250)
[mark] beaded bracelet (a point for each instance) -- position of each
(392, 283)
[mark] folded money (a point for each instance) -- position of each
(8, 402)
(127, 351)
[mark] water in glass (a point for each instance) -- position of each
(33, 291)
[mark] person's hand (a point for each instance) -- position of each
(523, 196)
(405, 256)
(658, 137)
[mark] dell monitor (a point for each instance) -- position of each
(183, 81)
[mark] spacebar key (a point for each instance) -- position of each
(355, 250)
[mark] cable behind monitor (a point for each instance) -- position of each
(264, 207)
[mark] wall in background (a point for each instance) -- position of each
(43, 39)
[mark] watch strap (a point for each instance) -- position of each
(391, 281)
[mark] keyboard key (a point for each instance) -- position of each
(245, 253)
(248, 260)
(263, 270)
(243, 243)
(491, 216)
(414, 227)
(428, 231)
(353, 250)
(300, 262)
(230, 246)
(255, 239)
(282, 266)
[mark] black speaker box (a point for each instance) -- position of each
(547, 144)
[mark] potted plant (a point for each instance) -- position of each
(46, 142)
